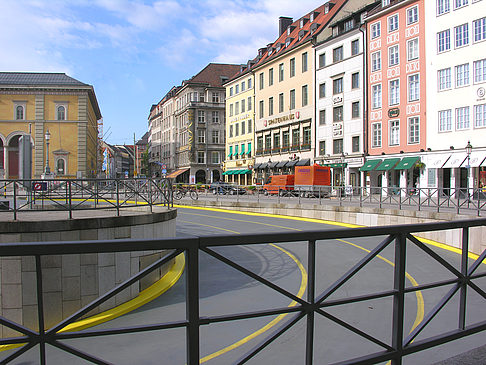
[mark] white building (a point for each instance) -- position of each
(456, 104)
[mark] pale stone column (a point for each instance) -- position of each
(5, 161)
(403, 182)
(384, 183)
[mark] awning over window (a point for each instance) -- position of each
(272, 165)
(370, 165)
(256, 166)
(291, 163)
(456, 160)
(281, 164)
(304, 162)
(407, 163)
(437, 161)
(263, 166)
(475, 159)
(388, 164)
(176, 173)
(336, 165)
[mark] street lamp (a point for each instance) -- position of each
(47, 136)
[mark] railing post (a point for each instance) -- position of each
(15, 200)
(192, 305)
(399, 298)
(419, 193)
(150, 194)
(311, 287)
(117, 197)
(361, 189)
(464, 267)
(40, 309)
(400, 197)
(70, 200)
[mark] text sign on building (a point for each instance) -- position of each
(337, 129)
(337, 99)
(285, 118)
(393, 113)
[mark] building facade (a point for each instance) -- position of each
(56, 113)
(456, 104)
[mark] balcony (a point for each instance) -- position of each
(295, 147)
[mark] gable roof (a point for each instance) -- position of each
(38, 79)
(214, 74)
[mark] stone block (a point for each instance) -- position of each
(106, 259)
(29, 288)
(89, 235)
(89, 280)
(106, 279)
(10, 238)
(11, 296)
(53, 301)
(50, 261)
(70, 307)
(122, 264)
(71, 265)
(122, 232)
(71, 288)
(14, 315)
(89, 259)
(137, 231)
(11, 270)
(30, 237)
(106, 233)
(74, 235)
(50, 236)
(123, 297)
(28, 263)
(51, 280)
(85, 300)
(30, 317)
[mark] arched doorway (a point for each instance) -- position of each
(200, 177)
(216, 175)
(13, 157)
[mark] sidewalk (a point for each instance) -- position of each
(473, 357)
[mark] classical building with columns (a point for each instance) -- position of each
(59, 114)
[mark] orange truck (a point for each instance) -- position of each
(279, 184)
(312, 180)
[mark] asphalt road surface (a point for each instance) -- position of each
(224, 290)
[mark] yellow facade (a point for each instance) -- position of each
(240, 121)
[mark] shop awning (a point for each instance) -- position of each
(456, 160)
(407, 163)
(370, 165)
(291, 163)
(176, 173)
(388, 164)
(336, 165)
(475, 159)
(437, 161)
(256, 166)
(263, 166)
(225, 173)
(272, 165)
(304, 162)
(281, 164)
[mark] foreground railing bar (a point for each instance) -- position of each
(253, 275)
(433, 312)
(192, 306)
(374, 358)
(311, 298)
(477, 276)
(351, 272)
(354, 329)
(435, 256)
(357, 299)
(79, 353)
(17, 327)
(18, 352)
(109, 294)
(436, 284)
(477, 263)
(399, 297)
(249, 315)
(268, 341)
(17, 340)
(477, 289)
(464, 267)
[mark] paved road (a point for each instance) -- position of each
(225, 291)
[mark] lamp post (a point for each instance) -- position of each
(47, 136)
(468, 152)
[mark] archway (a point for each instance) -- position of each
(13, 157)
(200, 177)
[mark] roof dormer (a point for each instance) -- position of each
(302, 34)
(313, 16)
(290, 29)
(288, 41)
(302, 22)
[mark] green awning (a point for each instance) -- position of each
(225, 173)
(249, 147)
(336, 165)
(388, 164)
(370, 165)
(407, 163)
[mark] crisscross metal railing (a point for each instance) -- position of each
(315, 305)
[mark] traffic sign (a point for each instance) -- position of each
(164, 167)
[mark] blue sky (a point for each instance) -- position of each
(134, 51)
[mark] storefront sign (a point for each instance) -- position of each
(285, 118)
(393, 113)
(241, 117)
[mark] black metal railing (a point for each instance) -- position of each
(82, 194)
(317, 305)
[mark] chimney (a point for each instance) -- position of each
(283, 24)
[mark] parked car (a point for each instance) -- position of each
(221, 187)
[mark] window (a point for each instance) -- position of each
(201, 157)
(394, 92)
(337, 114)
(337, 146)
(306, 136)
(249, 126)
(393, 23)
(460, 3)
(285, 139)
(337, 86)
(237, 108)
(295, 138)
(355, 47)
(394, 132)
(201, 136)
(412, 15)
(479, 29)
(270, 77)
(376, 135)
(281, 72)
(248, 152)
(237, 129)
(261, 78)
(462, 75)
(444, 78)
(480, 116)
(201, 115)
(215, 116)
(231, 91)
(413, 87)
(376, 61)
(215, 137)
(292, 99)
(348, 25)
(443, 6)
(375, 30)
(376, 96)
(355, 144)
(237, 89)
(322, 148)
(337, 54)
(262, 106)
(243, 131)
(61, 112)
(445, 120)
(60, 166)
(393, 57)
(355, 80)
(322, 60)
(305, 96)
(243, 105)
(412, 49)
(201, 95)
(444, 41)
(304, 62)
(19, 112)
(231, 131)
(270, 106)
(322, 117)
(292, 67)
(461, 34)
(480, 70)
(249, 103)
(322, 90)
(413, 130)
(462, 118)
(249, 84)
(280, 103)
(243, 86)
(214, 157)
(355, 109)
(215, 97)
(231, 110)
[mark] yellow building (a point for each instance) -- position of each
(48, 104)
(240, 120)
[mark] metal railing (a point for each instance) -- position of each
(458, 200)
(83, 194)
(318, 304)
